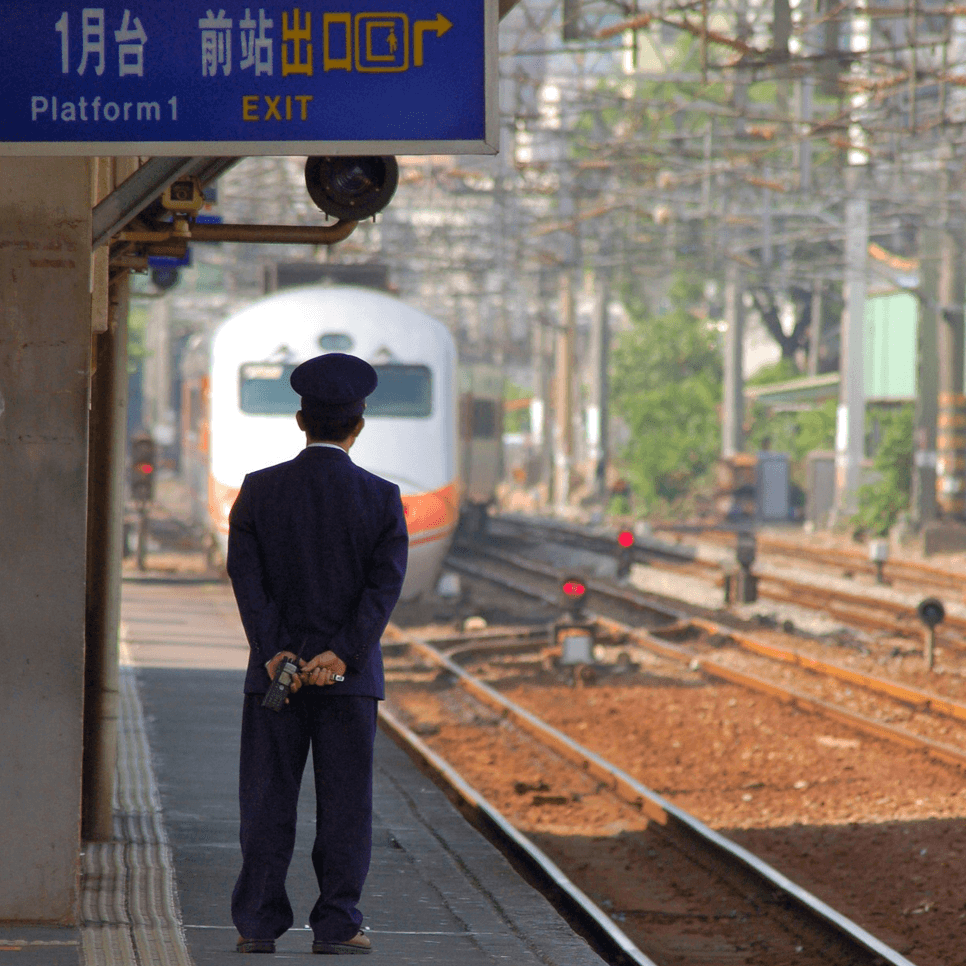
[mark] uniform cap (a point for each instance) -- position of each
(334, 385)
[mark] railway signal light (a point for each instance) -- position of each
(879, 554)
(574, 590)
(573, 634)
(143, 465)
(746, 549)
(625, 555)
(932, 613)
(741, 585)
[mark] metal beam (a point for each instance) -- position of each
(132, 196)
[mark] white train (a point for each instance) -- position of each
(431, 429)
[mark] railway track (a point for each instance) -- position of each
(930, 722)
(673, 890)
(874, 610)
(894, 571)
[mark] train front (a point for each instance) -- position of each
(410, 433)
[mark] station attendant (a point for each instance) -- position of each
(317, 552)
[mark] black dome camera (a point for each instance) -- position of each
(351, 188)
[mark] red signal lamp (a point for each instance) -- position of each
(574, 589)
(626, 538)
(144, 468)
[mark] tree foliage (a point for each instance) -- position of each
(667, 387)
(796, 432)
(881, 502)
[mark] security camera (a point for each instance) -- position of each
(165, 277)
(184, 197)
(351, 188)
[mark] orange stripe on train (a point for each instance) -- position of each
(432, 511)
(439, 509)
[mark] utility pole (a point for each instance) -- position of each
(543, 346)
(927, 378)
(599, 429)
(566, 335)
(815, 328)
(733, 415)
(951, 421)
(563, 448)
(733, 404)
(850, 421)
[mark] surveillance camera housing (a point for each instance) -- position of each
(184, 196)
(165, 277)
(351, 188)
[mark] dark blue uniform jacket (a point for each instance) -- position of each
(317, 553)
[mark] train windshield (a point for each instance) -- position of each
(403, 391)
(264, 389)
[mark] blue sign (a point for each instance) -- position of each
(236, 77)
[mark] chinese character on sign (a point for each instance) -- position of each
(256, 48)
(294, 36)
(131, 39)
(215, 44)
(130, 46)
(92, 31)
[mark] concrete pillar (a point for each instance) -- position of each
(923, 500)
(599, 430)
(733, 404)
(563, 447)
(45, 344)
(850, 422)
(105, 537)
(951, 404)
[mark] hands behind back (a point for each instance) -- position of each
(322, 669)
(273, 665)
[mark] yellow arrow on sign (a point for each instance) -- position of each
(439, 26)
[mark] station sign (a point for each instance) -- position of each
(235, 77)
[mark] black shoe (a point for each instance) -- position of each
(255, 945)
(358, 945)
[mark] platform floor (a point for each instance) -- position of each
(438, 892)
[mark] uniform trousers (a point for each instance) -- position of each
(341, 730)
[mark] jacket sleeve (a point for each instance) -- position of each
(260, 616)
(356, 639)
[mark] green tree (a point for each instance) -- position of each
(516, 419)
(796, 432)
(881, 502)
(667, 387)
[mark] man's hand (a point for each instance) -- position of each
(273, 666)
(322, 669)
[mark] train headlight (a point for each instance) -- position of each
(351, 188)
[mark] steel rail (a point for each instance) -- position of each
(636, 598)
(910, 571)
(656, 806)
(536, 859)
(715, 668)
(901, 692)
(857, 560)
(650, 549)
